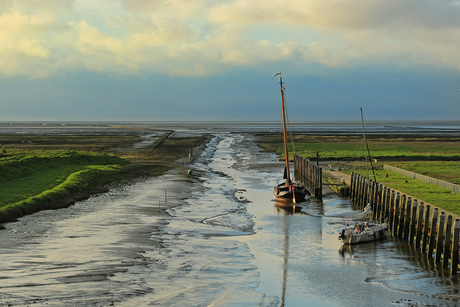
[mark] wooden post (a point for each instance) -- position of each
(426, 224)
(408, 218)
(396, 216)
(381, 196)
(439, 237)
(413, 222)
(455, 243)
(358, 190)
(401, 218)
(356, 193)
(434, 224)
(448, 234)
(387, 203)
(372, 199)
(352, 188)
(419, 233)
(391, 212)
(362, 198)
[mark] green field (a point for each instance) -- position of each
(431, 193)
(45, 172)
(434, 157)
(44, 178)
(444, 170)
(347, 148)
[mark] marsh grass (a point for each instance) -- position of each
(382, 148)
(443, 170)
(431, 193)
(45, 172)
(435, 157)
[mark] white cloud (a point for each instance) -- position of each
(200, 37)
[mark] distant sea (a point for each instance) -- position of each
(434, 128)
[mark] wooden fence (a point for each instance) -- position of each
(436, 235)
(309, 174)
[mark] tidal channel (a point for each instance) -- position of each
(210, 238)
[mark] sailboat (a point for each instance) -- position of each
(364, 231)
(287, 191)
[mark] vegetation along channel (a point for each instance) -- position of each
(174, 215)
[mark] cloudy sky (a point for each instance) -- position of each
(215, 59)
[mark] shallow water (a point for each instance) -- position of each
(213, 238)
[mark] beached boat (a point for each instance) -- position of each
(287, 191)
(363, 232)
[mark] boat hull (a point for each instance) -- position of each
(285, 194)
(363, 232)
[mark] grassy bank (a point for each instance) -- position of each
(435, 157)
(46, 172)
(43, 180)
(385, 148)
(431, 193)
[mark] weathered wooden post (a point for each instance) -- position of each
(426, 224)
(408, 218)
(387, 203)
(381, 201)
(413, 222)
(352, 181)
(361, 199)
(455, 243)
(434, 224)
(392, 211)
(402, 215)
(396, 216)
(357, 189)
(439, 238)
(419, 233)
(372, 199)
(447, 236)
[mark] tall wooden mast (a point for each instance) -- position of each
(287, 173)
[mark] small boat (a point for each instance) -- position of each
(363, 232)
(287, 191)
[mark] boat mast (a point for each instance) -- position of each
(365, 149)
(288, 179)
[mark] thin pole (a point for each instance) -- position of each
(365, 149)
(284, 132)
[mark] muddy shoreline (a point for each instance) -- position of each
(210, 238)
(167, 150)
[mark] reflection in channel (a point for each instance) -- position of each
(286, 209)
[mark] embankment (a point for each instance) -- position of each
(33, 180)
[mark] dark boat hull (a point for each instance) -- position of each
(284, 194)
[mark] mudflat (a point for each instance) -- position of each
(54, 171)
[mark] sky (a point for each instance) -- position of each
(196, 60)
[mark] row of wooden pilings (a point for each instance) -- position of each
(419, 225)
(309, 175)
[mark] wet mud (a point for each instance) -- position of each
(211, 238)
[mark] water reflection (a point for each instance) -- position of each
(287, 208)
(402, 266)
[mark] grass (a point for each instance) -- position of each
(381, 148)
(435, 157)
(43, 179)
(443, 170)
(431, 193)
(25, 175)
(45, 172)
